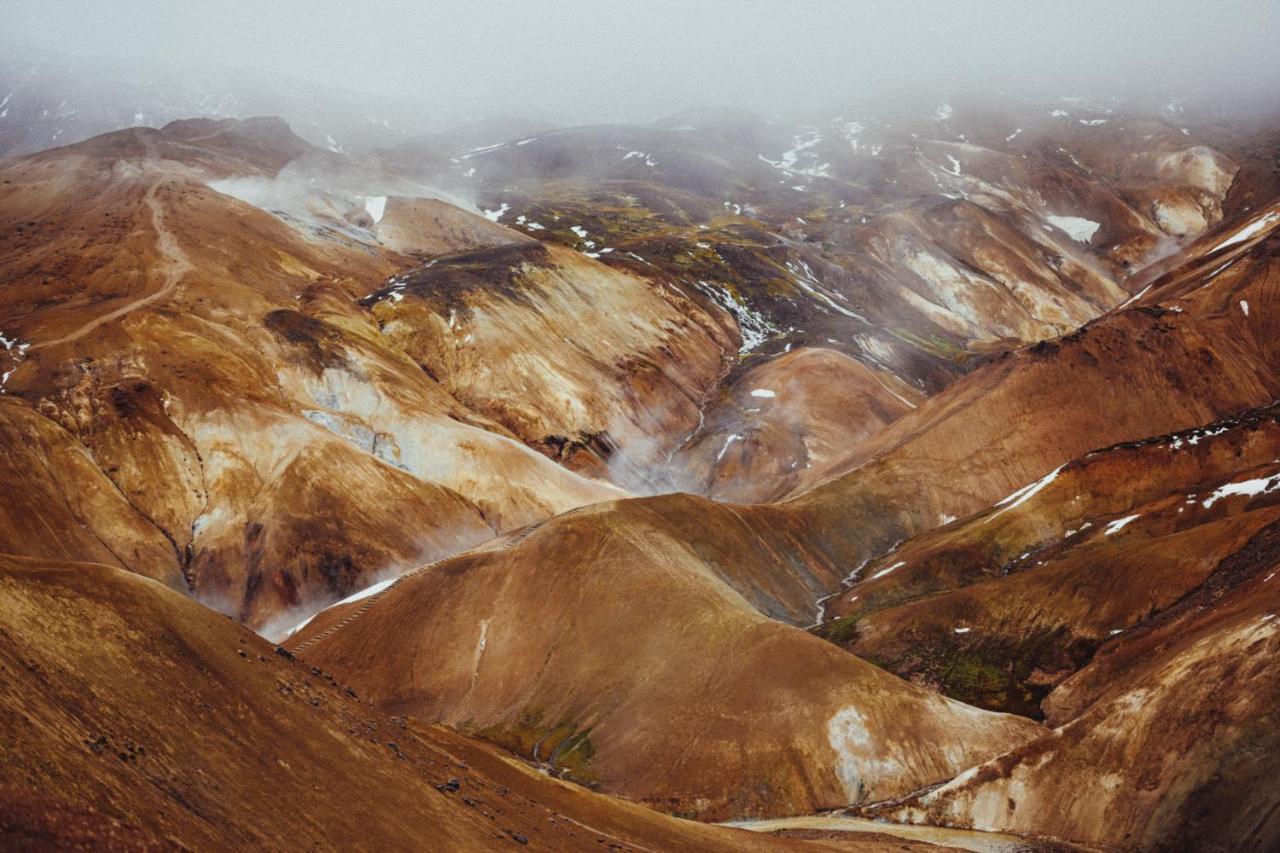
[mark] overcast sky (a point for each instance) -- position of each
(585, 61)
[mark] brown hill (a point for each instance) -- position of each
(1139, 371)
(1171, 742)
(212, 358)
(1000, 608)
(136, 719)
(608, 644)
(782, 424)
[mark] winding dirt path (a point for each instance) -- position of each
(176, 265)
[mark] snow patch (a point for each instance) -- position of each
(1247, 488)
(376, 205)
(364, 593)
(1026, 493)
(803, 275)
(1120, 524)
(483, 149)
(1077, 228)
(884, 572)
(753, 327)
(789, 163)
(17, 351)
(1253, 228)
(647, 158)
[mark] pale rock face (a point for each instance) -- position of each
(1202, 167)
(859, 758)
(952, 296)
(1180, 219)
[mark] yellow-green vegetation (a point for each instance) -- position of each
(561, 745)
(840, 631)
(933, 343)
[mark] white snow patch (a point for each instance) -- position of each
(376, 205)
(753, 327)
(803, 275)
(582, 235)
(763, 392)
(1244, 306)
(1249, 230)
(483, 149)
(963, 630)
(789, 163)
(1026, 493)
(1193, 438)
(495, 215)
(1077, 228)
(648, 158)
(364, 593)
(1248, 488)
(1120, 524)
(884, 572)
(10, 345)
(1136, 297)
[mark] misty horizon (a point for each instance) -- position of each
(671, 426)
(440, 65)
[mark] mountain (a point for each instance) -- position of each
(587, 664)
(47, 102)
(915, 464)
(137, 719)
(256, 374)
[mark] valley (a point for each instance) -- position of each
(900, 479)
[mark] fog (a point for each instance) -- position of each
(573, 61)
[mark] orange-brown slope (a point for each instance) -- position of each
(426, 227)
(1000, 608)
(599, 368)
(60, 505)
(1171, 741)
(178, 402)
(604, 644)
(1138, 372)
(213, 360)
(782, 424)
(134, 717)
